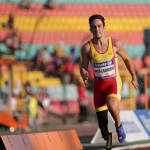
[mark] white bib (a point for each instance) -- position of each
(104, 70)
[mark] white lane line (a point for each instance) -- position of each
(132, 146)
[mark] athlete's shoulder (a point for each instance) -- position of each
(86, 47)
(117, 43)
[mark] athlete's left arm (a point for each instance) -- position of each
(120, 50)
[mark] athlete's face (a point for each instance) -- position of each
(97, 28)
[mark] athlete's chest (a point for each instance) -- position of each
(101, 49)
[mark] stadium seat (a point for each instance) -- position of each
(45, 82)
(87, 1)
(73, 107)
(21, 55)
(4, 49)
(34, 76)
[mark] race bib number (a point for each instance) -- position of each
(104, 70)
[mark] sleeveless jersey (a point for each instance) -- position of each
(105, 65)
(107, 82)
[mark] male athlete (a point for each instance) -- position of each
(102, 52)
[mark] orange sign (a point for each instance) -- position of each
(64, 140)
(26, 141)
(58, 140)
(13, 142)
(37, 141)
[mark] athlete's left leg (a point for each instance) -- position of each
(112, 104)
(113, 107)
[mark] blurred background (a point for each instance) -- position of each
(40, 43)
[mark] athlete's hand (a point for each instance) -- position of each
(135, 83)
(85, 79)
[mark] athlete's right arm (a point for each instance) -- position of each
(85, 58)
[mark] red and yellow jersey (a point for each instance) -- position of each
(105, 65)
(107, 82)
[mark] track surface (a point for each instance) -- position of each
(113, 148)
(117, 147)
(86, 133)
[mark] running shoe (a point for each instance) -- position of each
(121, 133)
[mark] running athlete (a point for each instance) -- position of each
(102, 52)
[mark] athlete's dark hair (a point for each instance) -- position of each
(97, 17)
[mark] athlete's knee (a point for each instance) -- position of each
(112, 104)
(112, 108)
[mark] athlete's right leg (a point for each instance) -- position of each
(102, 117)
(101, 108)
